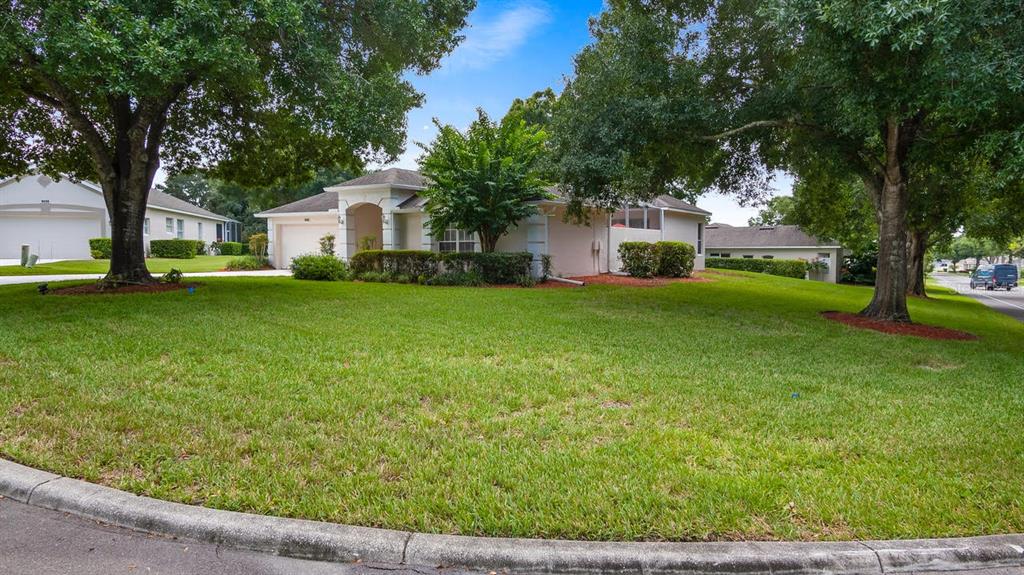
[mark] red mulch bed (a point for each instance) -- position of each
(894, 328)
(617, 280)
(94, 289)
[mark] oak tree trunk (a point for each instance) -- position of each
(127, 207)
(889, 302)
(917, 249)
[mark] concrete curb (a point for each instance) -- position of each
(331, 542)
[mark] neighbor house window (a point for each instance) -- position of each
(726, 255)
(145, 226)
(700, 238)
(768, 257)
(637, 217)
(220, 232)
(181, 229)
(199, 230)
(455, 240)
(748, 257)
(169, 225)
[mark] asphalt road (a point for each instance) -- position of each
(1009, 302)
(36, 541)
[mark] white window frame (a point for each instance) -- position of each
(169, 225)
(700, 238)
(461, 240)
(181, 229)
(199, 230)
(145, 227)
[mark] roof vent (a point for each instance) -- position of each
(766, 228)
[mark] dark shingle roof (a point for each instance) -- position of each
(319, 203)
(760, 237)
(392, 176)
(158, 199)
(667, 201)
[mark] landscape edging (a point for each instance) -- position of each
(333, 542)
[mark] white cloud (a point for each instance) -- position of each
(490, 41)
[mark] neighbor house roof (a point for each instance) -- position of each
(324, 202)
(397, 177)
(667, 201)
(158, 199)
(716, 236)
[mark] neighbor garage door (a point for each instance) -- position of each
(51, 237)
(297, 239)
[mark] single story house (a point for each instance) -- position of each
(384, 210)
(58, 218)
(775, 242)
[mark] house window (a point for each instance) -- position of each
(145, 226)
(746, 257)
(636, 217)
(456, 240)
(199, 230)
(169, 225)
(768, 257)
(619, 219)
(700, 238)
(726, 255)
(181, 229)
(220, 232)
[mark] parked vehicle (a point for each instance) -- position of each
(999, 276)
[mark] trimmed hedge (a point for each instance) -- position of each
(425, 266)
(231, 248)
(786, 268)
(175, 249)
(101, 248)
(639, 259)
(675, 259)
(318, 267)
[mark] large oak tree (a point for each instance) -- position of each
(260, 92)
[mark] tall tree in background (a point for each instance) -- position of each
(265, 91)
(777, 211)
(483, 180)
(706, 94)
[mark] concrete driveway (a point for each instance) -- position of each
(1009, 302)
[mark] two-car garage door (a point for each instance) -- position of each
(297, 239)
(51, 237)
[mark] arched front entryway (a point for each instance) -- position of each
(365, 226)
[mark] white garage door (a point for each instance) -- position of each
(53, 237)
(298, 239)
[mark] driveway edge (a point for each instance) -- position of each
(342, 543)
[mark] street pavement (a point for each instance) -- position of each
(36, 541)
(1009, 302)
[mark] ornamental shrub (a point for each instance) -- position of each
(258, 245)
(327, 245)
(639, 259)
(675, 259)
(457, 278)
(200, 247)
(246, 263)
(231, 248)
(175, 249)
(492, 267)
(100, 248)
(786, 268)
(413, 263)
(318, 267)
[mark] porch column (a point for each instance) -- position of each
(537, 239)
(388, 229)
(345, 243)
(271, 248)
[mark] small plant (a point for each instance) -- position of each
(526, 281)
(817, 265)
(258, 245)
(246, 263)
(545, 266)
(318, 268)
(100, 248)
(230, 248)
(327, 245)
(172, 277)
(367, 243)
(639, 259)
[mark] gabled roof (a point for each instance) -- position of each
(396, 177)
(158, 199)
(761, 237)
(667, 201)
(324, 202)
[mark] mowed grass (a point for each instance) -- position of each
(721, 410)
(155, 265)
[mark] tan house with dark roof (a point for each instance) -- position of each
(775, 242)
(384, 210)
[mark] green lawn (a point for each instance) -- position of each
(719, 410)
(155, 265)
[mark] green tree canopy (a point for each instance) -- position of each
(483, 180)
(777, 211)
(261, 93)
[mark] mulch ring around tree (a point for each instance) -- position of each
(896, 328)
(98, 289)
(617, 280)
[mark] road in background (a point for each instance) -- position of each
(1009, 302)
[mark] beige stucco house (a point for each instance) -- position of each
(57, 218)
(384, 210)
(775, 242)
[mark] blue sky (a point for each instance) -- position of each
(512, 49)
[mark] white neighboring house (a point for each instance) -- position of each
(58, 218)
(775, 242)
(385, 211)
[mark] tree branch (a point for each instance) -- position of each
(788, 123)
